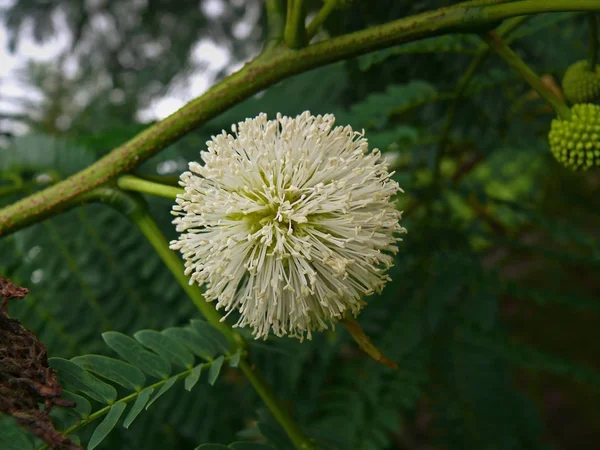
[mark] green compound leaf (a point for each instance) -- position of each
(113, 369)
(106, 425)
(75, 378)
(79, 376)
(132, 351)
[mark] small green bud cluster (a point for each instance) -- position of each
(575, 142)
(581, 84)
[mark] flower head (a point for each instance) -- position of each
(289, 221)
(575, 142)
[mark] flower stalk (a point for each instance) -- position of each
(135, 209)
(264, 390)
(146, 224)
(364, 342)
(150, 229)
(133, 183)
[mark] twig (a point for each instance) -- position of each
(515, 62)
(295, 32)
(321, 16)
(275, 23)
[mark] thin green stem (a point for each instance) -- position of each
(321, 16)
(300, 441)
(593, 24)
(262, 387)
(254, 77)
(463, 83)
(515, 62)
(275, 23)
(135, 209)
(149, 228)
(146, 224)
(295, 31)
(133, 183)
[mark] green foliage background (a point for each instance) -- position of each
(493, 309)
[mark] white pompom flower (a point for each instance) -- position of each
(289, 221)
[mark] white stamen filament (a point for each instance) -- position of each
(290, 222)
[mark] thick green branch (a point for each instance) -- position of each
(265, 71)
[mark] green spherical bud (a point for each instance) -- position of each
(580, 84)
(576, 142)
